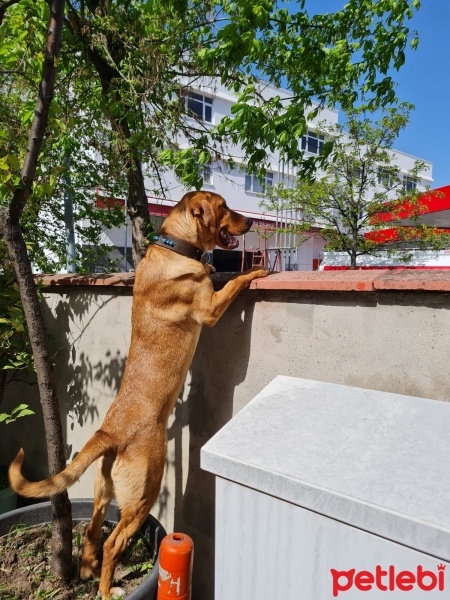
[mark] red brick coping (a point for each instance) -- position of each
(358, 281)
(436, 280)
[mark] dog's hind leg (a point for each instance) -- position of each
(131, 519)
(103, 494)
(137, 481)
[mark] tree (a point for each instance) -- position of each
(120, 106)
(12, 236)
(360, 189)
(67, 164)
(137, 61)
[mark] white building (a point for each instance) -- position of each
(211, 102)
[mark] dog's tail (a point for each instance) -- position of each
(99, 444)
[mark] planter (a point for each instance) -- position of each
(152, 530)
(8, 498)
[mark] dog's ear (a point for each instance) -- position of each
(201, 209)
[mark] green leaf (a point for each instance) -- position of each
(19, 408)
(24, 413)
(13, 161)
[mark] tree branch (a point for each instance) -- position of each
(4, 7)
(45, 95)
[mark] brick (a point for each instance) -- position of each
(414, 279)
(339, 281)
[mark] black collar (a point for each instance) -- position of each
(178, 246)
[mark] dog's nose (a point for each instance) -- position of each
(249, 222)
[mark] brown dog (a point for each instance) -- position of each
(173, 298)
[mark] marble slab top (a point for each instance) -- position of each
(377, 461)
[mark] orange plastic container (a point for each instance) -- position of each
(176, 555)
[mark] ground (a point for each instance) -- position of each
(25, 566)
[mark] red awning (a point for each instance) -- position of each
(154, 209)
(429, 203)
(398, 234)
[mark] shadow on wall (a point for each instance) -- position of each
(220, 364)
(89, 364)
(79, 370)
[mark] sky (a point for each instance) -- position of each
(424, 80)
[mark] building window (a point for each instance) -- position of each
(355, 174)
(199, 106)
(253, 184)
(389, 177)
(409, 183)
(385, 178)
(312, 142)
(207, 175)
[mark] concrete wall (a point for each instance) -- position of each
(387, 331)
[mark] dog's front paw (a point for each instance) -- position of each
(89, 570)
(259, 272)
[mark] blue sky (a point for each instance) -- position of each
(424, 80)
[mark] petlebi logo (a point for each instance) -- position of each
(388, 579)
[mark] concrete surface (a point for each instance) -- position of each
(376, 461)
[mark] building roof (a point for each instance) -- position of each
(433, 206)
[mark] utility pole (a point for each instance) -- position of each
(68, 219)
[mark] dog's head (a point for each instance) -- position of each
(212, 222)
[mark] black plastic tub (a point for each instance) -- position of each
(152, 530)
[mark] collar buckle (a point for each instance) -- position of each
(180, 247)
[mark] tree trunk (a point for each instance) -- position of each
(137, 202)
(3, 376)
(11, 232)
(137, 211)
(62, 518)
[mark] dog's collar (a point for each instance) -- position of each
(180, 247)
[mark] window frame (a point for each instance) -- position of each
(384, 178)
(207, 170)
(255, 186)
(203, 102)
(311, 140)
(409, 183)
